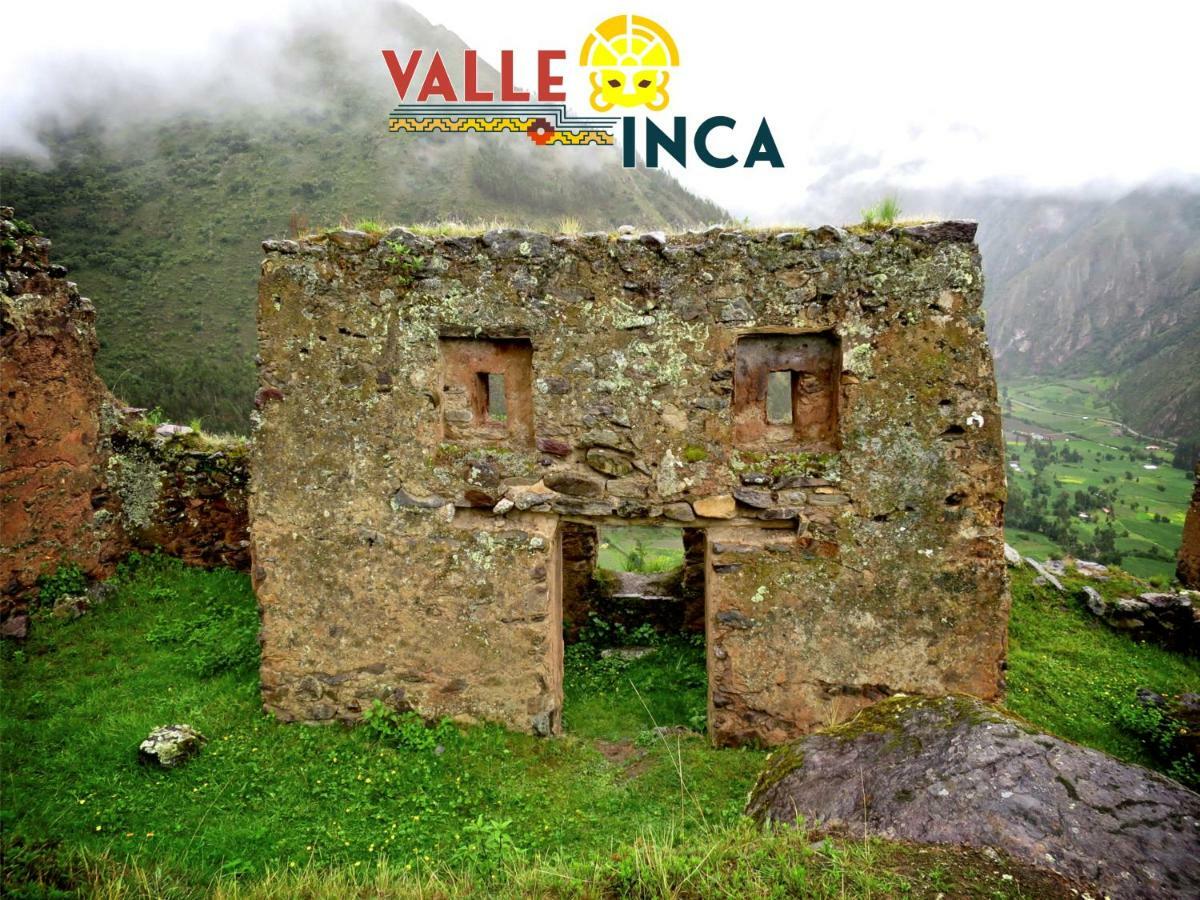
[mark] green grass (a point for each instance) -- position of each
(622, 699)
(1073, 676)
(612, 808)
(1078, 415)
(883, 214)
(174, 645)
(640, 548)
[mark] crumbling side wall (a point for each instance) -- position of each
(52, 466)
(81, 482)
(1188, 570)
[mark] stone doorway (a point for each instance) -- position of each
(636, 593)
(632, 576)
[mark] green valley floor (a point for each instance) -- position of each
(1082, 483)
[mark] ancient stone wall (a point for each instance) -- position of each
(51, 467)
(1188, 570)
(820, 405)
(82, 480)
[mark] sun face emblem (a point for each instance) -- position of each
(629, 57)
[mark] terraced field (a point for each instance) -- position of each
(1141, 495)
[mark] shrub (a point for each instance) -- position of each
(65, 581)
(1160, 732)
(407, 730)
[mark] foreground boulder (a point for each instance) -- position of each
(169, 746)
(957, 771)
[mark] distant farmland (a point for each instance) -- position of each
(1086, 457)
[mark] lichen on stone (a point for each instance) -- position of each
(136, 478)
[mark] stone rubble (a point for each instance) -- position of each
(170, 746)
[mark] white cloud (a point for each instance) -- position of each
(1032, 95)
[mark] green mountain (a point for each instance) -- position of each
(1102, 288)
(159, 212)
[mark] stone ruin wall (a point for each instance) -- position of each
(81, 481)
(408, 542)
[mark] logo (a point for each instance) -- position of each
(629, 57)
(628, 60)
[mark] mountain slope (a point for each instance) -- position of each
(159, 215)
(1116, 292)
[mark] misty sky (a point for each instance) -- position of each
(918, 95)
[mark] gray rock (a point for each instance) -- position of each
(831, 233)
(937, 232)
(680, 512)
(1167, 619)
(402, 499)
(1041, 570)
(791, 497)
(542, 724)
(609, 462)
(1089, 569)
(537, 498)
(1011, 556)
(1094, 602)
(516, 242)
(604, 437)
(167, 430)
(574, 483)
(17, 627)
(170, 746)
(758, 499)
(1056, 567)
(799, 481)
(553, 446)
(734, 311)
(70, 607)
(656, 239)
(957, 771)
(349, 239)
(582, 506)
(629, 653)
(828, 500)
(755, 479)
(415, 242)
(635, 487)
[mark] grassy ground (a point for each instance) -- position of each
(1075, 677)
(1151, 503)
(611, 808)
(640, 548)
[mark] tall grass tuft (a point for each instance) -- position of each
(883, 214)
